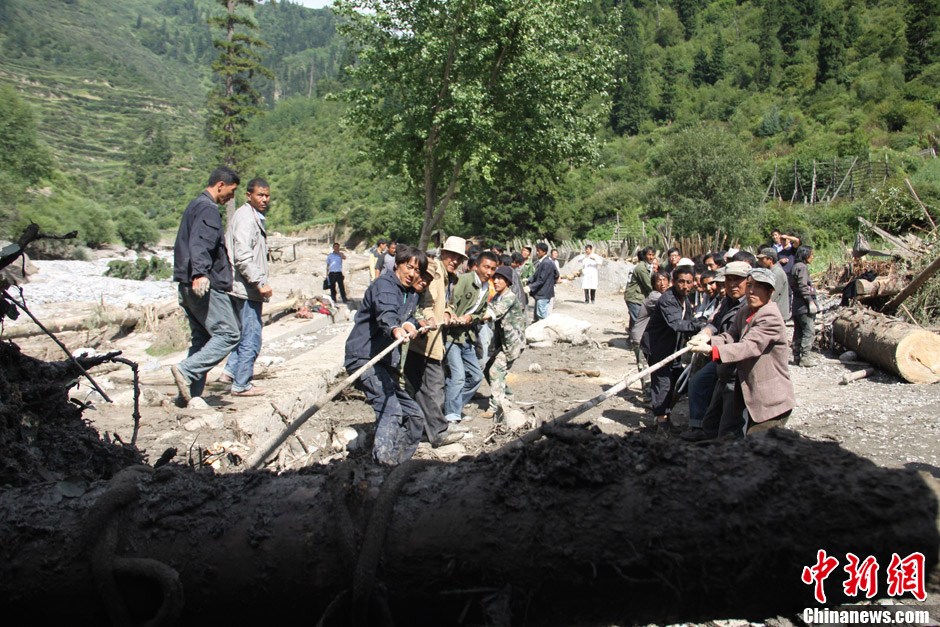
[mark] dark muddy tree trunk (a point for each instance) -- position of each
(578, 528)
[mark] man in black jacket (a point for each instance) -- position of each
(202, 269)
(670, 325)
(542, 283)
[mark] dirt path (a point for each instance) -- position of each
(891, 422)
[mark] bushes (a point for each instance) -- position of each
(141, 269)
(135, 230)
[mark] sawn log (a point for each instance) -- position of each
(578, 528)
(903, 349)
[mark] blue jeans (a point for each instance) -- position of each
(399, 421)
(241, 363)
(700, 393)
(542, 308)
(464, 376)
(484, 339)
(214, 326)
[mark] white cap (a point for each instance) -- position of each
(685, 261)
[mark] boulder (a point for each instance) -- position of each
(557, 328)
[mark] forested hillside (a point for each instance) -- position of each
(718, 115)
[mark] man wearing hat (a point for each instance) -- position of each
(714, 382)
(424, 368)
(756, 345)
(508, 315)
(767, 258)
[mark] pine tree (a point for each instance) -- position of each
(670, 93)
(769, 47)
(701, 69)
(630, 106)
(717, 66)
(234, 100)
(831, 52)
(923, 39)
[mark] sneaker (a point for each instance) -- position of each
(225, 378)
(252, 391)
(181, 384)
(447, 438)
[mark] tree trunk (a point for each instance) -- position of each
(577, 528)
(910, 352)
(880, 287)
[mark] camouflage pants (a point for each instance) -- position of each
(496, 371)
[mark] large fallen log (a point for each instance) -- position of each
(880, 287)
(578, 528)
(903, 349)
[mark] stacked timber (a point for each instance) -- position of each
(910, 352)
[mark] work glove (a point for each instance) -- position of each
(700, 343)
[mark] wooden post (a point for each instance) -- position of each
(922, 206)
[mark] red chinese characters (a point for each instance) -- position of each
(903, 575)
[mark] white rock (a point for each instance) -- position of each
(451, 450)
(197, 403)
(345, 439)
(535, 368)
(515, 419)
(85, 351)
(269, 360)
(207, 422)
(558, 328)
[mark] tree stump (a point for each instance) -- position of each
(908, 351)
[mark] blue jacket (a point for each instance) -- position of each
(200, 245)
(386, 304)
(542, 283)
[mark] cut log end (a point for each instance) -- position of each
(918, 357)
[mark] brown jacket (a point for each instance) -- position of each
(433, 304)
(759, 350)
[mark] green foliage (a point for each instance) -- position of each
(707, 179)
(141, 269)
(63, 212)
(135, 230)
(488, 85)
(235, 99)
(630, 104)
(21, 154)
(922, 33)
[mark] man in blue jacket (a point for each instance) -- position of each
(386, 314)
(201, 267)
(542, 283)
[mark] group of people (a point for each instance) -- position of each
(462, 311)
(730, 308)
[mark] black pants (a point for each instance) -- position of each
(663, 385)
(336, 278)
(426, 378)
(589, 296)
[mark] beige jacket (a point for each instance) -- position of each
(433, 304)
(759, 350)
(247, 245)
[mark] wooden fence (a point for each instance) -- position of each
(824, 181)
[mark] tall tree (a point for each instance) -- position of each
(447, 85)
(23, 159)
(923, 36)
(668, 98)
(771, 52)
(830, 56)
(234, 99)
(630, 102)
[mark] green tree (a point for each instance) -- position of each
(447, 86)
(152, 150)
(135, 230)
(923, 36)
(630, 103)
(830, 56)
(769, 48)
(22, 156)
(668, 98)
(235, 100)
(701, 68)
(708, 179)
(688, 10)
(299, 201)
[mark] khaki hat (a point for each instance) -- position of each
(685, 261)
(737, 268)
(456, 245)
(763, 275)
(769, 253)
(720, 275)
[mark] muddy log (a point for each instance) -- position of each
(881, 286)
(578, 528)
(909, 352)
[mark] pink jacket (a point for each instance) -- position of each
(759, 350)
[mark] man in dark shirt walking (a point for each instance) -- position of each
(202, 269)
(542, 283)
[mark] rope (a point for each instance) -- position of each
(105, 516)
